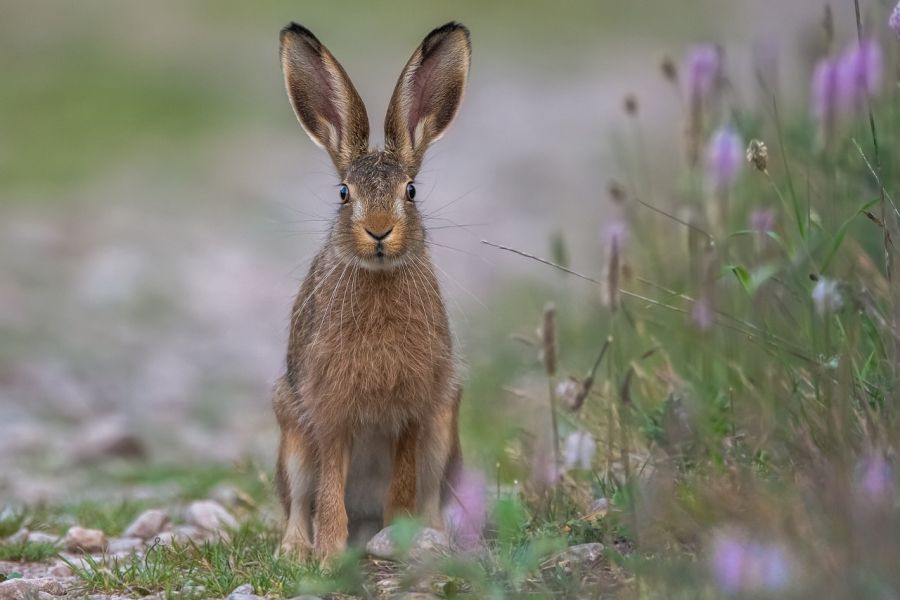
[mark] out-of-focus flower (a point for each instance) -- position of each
(825, 98)
(567, 391)
(875, 479)
(579, 450)
(739, 565)
(762, 220)
(702, 314)
(724, 159)
(703, 67)
(758, 155)
(859, 74)
(826, 296)
(894, 20)
(704, 70)
(614, 235)
(467, 511)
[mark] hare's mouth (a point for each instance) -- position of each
(381, 261)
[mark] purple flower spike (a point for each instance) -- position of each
(468, 510)
(724, 159)
(825, 91)
(876, 479)
(704, 69)
(729, 561)
(859, 74)
(762, 221)
(894, 20)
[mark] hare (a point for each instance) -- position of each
(368, 404)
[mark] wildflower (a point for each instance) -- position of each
(739, 565)
(467, 512)
(758, 155)
(724, 159)
(825, 98)
(568, 390)
(826, 296)
(762, 220)
(579, 450)
(704, 71)
(702, 314)
(894, 20)
(859, 74)
(876, 479)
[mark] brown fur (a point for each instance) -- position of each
(369, 401)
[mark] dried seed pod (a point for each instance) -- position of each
(548, 337)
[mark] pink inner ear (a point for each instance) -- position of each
(418, 105)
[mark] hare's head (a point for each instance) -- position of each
(378, 224)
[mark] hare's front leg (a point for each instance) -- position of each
(296, 481)
(435, 449)
(401, 496)
(331, 513)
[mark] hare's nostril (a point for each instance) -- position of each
(380, 236)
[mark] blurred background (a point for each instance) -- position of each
(159, 203)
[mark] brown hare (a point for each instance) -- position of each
(369, 401)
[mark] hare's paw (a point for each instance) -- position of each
(295, 546)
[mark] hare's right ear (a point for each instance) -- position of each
(325, 101)
(428, 94)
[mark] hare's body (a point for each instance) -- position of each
(369, 401)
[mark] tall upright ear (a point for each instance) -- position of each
(428, 94)
(324, 100)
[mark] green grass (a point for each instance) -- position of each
(26, 551)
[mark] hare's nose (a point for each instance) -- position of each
(380, 236)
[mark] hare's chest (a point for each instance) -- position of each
(382, 355)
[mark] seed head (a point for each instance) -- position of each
(669, 70)
(758, 155)
(631, 105)
(548, 339)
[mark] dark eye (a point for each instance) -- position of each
(411, 191)
(344, 191)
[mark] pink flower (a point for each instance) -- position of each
(859, 74)
(704, 70)
(894, 20)
(825, 90)
(702, 314)
(762, 220)
(739, 565)
(467, 511)
(876, 479)
(724, 158)
(615, 235)
(579, 450)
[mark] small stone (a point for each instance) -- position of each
(579, 556)
(183, 534)
(242, 589)
(17, 589)
(40, 537)
(233, 596)
(210, 516)
(124, 545)
(60, 569)
(108, 438)
(80, 539)
(426, 542)
(148, 524)
(306, 597)
(28, 589)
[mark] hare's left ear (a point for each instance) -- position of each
(428, 94)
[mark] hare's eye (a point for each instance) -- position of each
(344, 191)
(411, 191)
